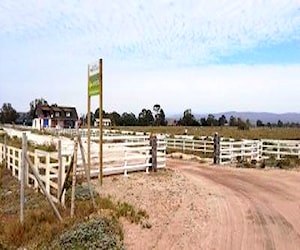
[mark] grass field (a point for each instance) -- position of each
(232, 132)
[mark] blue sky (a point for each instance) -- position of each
(210, 56)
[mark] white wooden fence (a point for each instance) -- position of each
(203, 145)
(46, 163)
(121, 154)
(231, 150)
(281, 148)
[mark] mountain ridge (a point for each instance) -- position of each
(265, 117)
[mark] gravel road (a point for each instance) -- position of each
(197, 206)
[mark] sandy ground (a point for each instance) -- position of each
(197, 206)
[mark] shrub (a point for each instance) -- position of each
(98, 233)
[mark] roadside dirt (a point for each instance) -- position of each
(196, 206)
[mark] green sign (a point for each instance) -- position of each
(94, 80)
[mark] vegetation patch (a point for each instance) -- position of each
(90, 229)
(97, 233)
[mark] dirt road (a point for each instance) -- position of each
(254, 209)
(196, 206)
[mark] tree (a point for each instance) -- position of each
(162, 118)
(128, 119)
(203, 121)
(233, 121)
(92, 118)
(145, 117)
(33, 104)
(8, 114)
(104, 114)
(188, 119)
(211, 120)
(259, 123)
(222, 121)
(159, 116)
(280, 124)
(115, 118)
(242, 125)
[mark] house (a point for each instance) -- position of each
(106, 122)
(54, 116)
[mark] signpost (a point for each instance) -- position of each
(94, 89)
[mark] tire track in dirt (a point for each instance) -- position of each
(252, 209)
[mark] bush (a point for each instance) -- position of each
(98, 233)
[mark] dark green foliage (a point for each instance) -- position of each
(188, 119)
(8, 114)
(97, 233)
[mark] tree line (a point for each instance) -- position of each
(146, 117)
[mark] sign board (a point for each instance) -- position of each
(94, 79)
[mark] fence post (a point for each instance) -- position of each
(153, 143)
(216, 148)
(22, 175)
(59, 174)
(5, 151)
(278, 150)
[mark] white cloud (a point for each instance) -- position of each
(161, 32)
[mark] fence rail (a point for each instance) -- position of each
(231, 150)
(121, 154)
(205, 146)
(46, 163)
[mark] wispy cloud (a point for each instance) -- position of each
(156, 32)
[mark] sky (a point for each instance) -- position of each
(208, 56)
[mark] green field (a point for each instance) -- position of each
(233, 132)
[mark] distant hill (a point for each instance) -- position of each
(265, 117)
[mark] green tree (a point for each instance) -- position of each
(128, 119)
(280, 124)
(33, 104)
(259, 123)
(188, 119)
(211, 120)
(145, 118)
(159, 116)
(115, 118)
(233, 121)
(8, 114)
(242, 125)
(104, 114)
(222, 121)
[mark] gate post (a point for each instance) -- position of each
(216, 148)
(153, 144)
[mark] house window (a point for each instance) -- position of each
(56, 114)
(68, 114)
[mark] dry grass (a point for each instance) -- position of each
(233, 132)
(41, 227)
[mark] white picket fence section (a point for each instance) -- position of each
(46, 163)
(230, 151)
(203, 145)
(281, 148)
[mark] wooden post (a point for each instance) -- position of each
(74, 178)
(153, 141)
(87, 173)
(36, 175)
(59, 174)
(216, 148)
(22, 175)
(89, 125)
(100, 123)
(5, 151)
